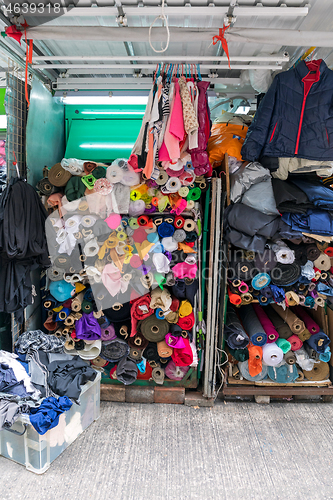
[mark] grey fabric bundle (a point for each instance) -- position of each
(114, 350)
(127, 371)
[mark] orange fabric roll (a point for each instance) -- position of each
(255, 359)
(234, 298)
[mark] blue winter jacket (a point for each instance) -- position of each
(295, 118)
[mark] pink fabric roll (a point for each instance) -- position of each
(272, 334)
(310, 324)
(296, 342)
(185, 270)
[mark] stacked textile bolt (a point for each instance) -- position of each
(122, 291)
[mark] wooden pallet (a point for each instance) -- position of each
(262, 391)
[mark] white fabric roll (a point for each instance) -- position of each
(272, 355)
(283, 253)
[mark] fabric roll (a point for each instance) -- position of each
(304, 335)
(154, 329)
(138, 341)
(63, 314)
(303, 360)
(323, 262)
(77, 302)
(90, 350)
(325, 356)
(320, 371)
(45, 186)
(140, 310)
(158, 375)
(150, 352)
(271, 332)
(295, 342)
(123, 330)
(179, 235)
(165, 230)
(183, 357)
(55, 273)
(290, 357)
(108, 333)
(278, 293)
(272, 355)
(187, 323)
(260, 281)
(114, 174)
(164, 350)
(114, 350)
(62, 261)
(61, 290)
(267, 292)
(283, 253)
(244, 369)
(285, 274)
(127, 370)
(234, 298)
(292, 298)
(255, 359)
(235, 335)
(284, 345)
(296, 325)
(174, 372)
(241, 269)
(240, 354)
(86, 306)
(252, 325)
(312, 252)
(88, 328)
(58, 176)
(319, 342)
(283, 374)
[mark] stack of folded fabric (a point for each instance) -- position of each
(117, 278)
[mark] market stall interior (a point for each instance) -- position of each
(167, 217)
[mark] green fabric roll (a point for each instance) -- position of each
(75, 188)
(239, 354)
(284, 345)
(86, 306)
(99, 172)
(305, 335)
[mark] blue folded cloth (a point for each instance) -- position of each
(318, 342)
(318, 194)
(314, 221)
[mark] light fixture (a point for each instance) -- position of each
(112, 100)
(91, 145)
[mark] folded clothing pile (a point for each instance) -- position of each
(284, 345)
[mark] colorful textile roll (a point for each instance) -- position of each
(252, 325)
(272, 355)
(153, 329)
(292, 298)
(240, 354)
(165, 230)
(235, 335)
(295, 342)
(323, 262)
(320, 371)
(174, 372)
(244, 369)
(296, 325)
(271, 332)
(319, 341)
(234, 298)
(187, 323)
(164, 350)
(285, 274)
(290, 357)
(260, 281)
(58, 176)
(283, 374)
(88, 328)
(255, 359)
(140, 310)
(183, 357)
(312, 252)
(304, 335)
(284, 345)
(114, 350)
(77, 302)
(86, 306)
(310, 324)
(45, 186)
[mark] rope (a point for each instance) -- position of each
(165, 22)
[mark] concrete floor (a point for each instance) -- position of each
(173, 452)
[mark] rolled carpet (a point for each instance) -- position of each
(153, 329)
(272, 355)
(252, 325)
(271, 332)
(296, 325)
(285, 274)
(127, 370)
(310, 324)
(244, 369)
(320, 371)
(114, 350)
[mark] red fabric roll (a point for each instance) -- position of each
(272, 334)
(296, 343)
(187, 322)
(175, 304)
(140, 310)
(183, 357)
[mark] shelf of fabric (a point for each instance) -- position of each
(190, 380)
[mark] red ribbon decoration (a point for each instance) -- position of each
(220, 38)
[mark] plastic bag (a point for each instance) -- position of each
(225, 138)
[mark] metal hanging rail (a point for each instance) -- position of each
(167, 59)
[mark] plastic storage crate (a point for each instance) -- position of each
(38, 452)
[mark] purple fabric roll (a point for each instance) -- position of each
(88, 328)
(108, 333)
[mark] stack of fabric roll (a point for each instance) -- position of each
(122, 290)
(280, 229)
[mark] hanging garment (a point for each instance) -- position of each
(295, 117)
(23, 244)
(199, 155)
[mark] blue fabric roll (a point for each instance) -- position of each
(252, 325)
(318, 342)
(325, 289)
(325, 356)
(235, 335)
(244, 369)
(159, 313)
(283, 374)
(309, 302)
(63, 310)
(152, 237)
(260, 281)
(264, 301)
(267, 292)
(165, 229)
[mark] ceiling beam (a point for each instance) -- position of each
(259, 11)
(167, 59)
